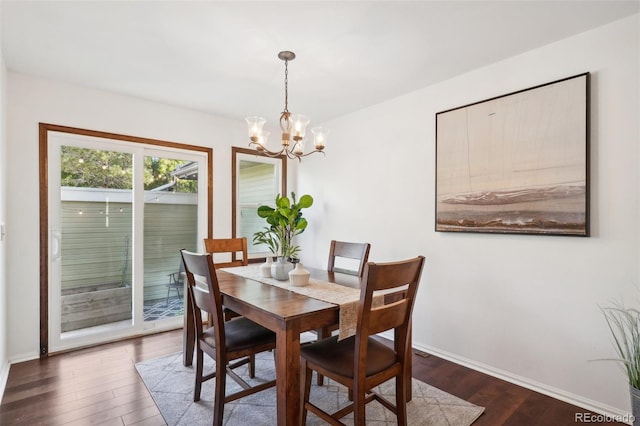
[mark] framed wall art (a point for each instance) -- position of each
(517, 163)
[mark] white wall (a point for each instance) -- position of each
(32, 100)
(4, 364)
(519, 306)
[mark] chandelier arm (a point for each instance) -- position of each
(265, 151)
(311, 152)
(290, 154)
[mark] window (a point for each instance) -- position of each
(256, 179)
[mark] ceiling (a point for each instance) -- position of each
(221, 57)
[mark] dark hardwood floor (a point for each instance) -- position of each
(100, 385)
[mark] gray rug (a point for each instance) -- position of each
(171, 385)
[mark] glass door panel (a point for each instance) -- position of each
(170, 224)
(94, 239)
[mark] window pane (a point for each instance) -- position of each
(258, 183)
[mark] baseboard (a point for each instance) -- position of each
(4, 375)
(610, 413)
(24, 357)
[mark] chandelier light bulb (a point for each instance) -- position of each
(299, 126)
(255, 127)
(320, 137)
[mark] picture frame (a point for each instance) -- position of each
(516, 163)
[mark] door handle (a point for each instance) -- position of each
(56, 239)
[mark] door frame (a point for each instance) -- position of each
(44, 129)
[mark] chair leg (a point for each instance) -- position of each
(166, 304)
(305, 388)
(359, 407)
(401, 400)
(252, 366)
(322, 333)
(218, 396)
(199, 366)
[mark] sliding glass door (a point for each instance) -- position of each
(118, 215)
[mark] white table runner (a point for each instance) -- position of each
(345, 297)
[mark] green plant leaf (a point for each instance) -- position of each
(265, 211)
(305, 202)
(301, 225)
(284, 211)
(624, 324)
(282, 202)
(267, 237)
(273, 220)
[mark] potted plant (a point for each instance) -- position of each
(624, 324)
(284, 221)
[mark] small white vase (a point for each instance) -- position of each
(265, 268)
(280, 269)
(299, 277)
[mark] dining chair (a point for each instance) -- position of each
(230, 247)
(359, 254)
(224, 341)
(361, 362)
(341, 249)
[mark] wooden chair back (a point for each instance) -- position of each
(357, 251)
(395, 315)
(228, 245)
(202, 285)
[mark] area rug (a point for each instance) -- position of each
(171, 385)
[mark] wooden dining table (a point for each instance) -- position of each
(287, 314)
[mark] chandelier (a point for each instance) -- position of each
(293, 127)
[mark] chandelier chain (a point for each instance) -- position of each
(286, 86)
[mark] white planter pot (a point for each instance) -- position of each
(280, 269)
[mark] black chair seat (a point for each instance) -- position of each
(241, 334)
(337, 356)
